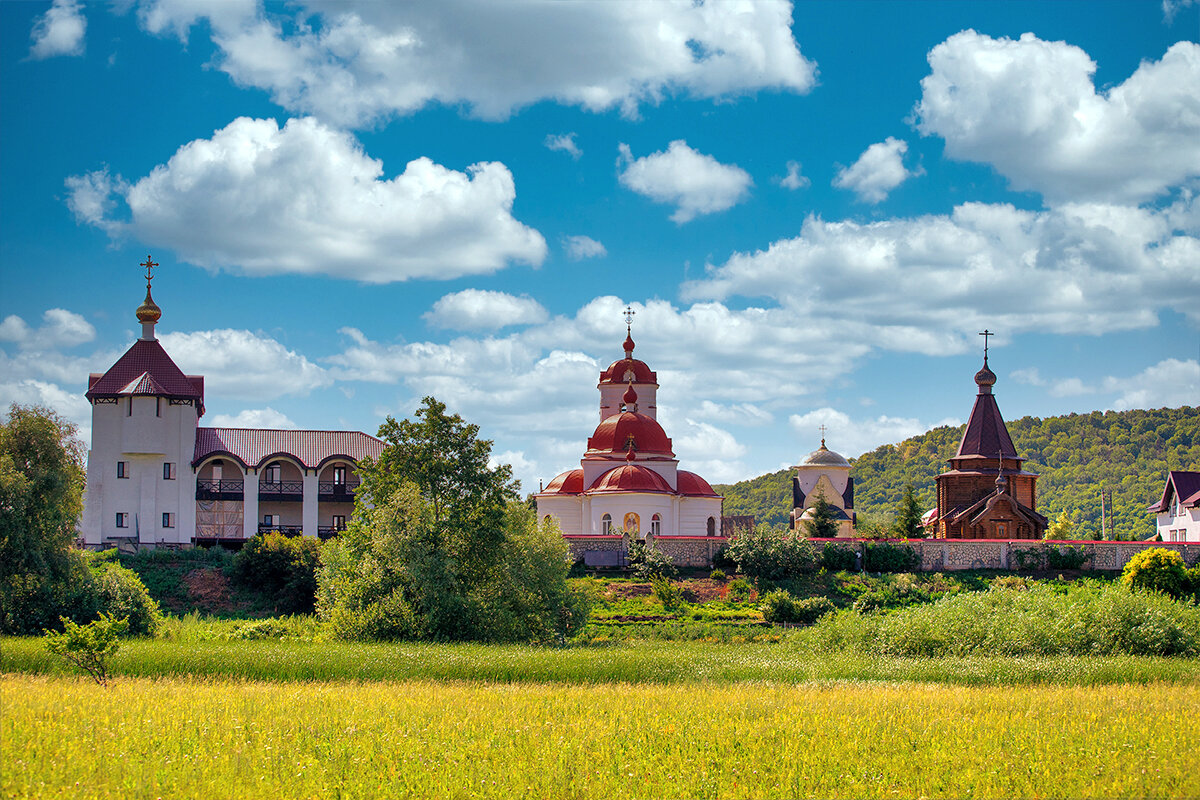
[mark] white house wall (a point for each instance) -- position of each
(1181, 527)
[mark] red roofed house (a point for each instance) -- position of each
(155, 477)
(1179, 507)
(985, 494)
(628, 479)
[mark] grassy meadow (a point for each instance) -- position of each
(65, 737)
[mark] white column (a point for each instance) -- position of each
(310, 503)
(250, 503)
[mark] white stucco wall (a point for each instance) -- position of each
(1179, 525)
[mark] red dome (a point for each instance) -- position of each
(631, 478)
(570, 482)
(613, 436)
(693, 485)
(628, 369)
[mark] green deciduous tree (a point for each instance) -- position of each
(90, 647)
(441, 548)
(1158, 570)
(41, 496)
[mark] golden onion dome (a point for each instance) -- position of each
(148, 311)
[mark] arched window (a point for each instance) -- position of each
(712, 526)
(546, 520)
(656, 525)
(606, 524)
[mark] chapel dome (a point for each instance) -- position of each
(569, 482)
(628, 370)
(619, 432)
(692, 485)
(824, 457)
(631, 478)
(985, 377)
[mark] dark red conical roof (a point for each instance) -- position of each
(986, 435)
(146, 369)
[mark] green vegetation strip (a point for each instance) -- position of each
(630, 662)
(217, 739)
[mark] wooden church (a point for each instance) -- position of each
(986, 494)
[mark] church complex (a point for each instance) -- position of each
(156, 477)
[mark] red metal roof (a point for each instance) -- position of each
(692, 485)
(625, 369)
(252, 446)
(570, 482)
(1182, 484)
(147, 360)
(631, 478)
(614, 435)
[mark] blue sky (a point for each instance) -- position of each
(813, 210)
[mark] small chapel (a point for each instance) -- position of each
(628, 482)
(986, 494)
(823, 473)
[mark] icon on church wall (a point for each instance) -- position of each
(633, 522)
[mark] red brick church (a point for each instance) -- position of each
(986, 494)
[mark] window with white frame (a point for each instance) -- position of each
(339, 522)
(606, 524)
(122, 520)
(271, 473)
(168, 519)
(656, 525)
(168, 470)
(122, 469)
(339, 475)
(271, 519)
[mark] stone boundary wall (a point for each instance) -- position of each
(948, 555)
(937, 555)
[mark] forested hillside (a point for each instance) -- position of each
(1127, 452)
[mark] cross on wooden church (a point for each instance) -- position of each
(985, 333)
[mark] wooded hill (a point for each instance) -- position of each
(1127, 452)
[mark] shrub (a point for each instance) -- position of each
(890, 558)
(766, 553)
(779, 606)
(717, 575)
(1067, 557)
(837, 558)
(282, 566)
(667, 593)
(739, 589)
(123, 596)
(648, 562)
(89, 647)
(1158, 570)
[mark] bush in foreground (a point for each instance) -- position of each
(1086, 620)
(779, 606)
(1157, 570)
(284, 567)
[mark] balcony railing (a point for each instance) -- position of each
(281, 490)
(286, 530)
(330, 490)
(325, 532)
(219, 490)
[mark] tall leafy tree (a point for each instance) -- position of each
(441, 547)
(41, 497)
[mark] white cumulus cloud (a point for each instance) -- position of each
(1030, 108)
(1170, 383)
(243, 364)
(877, 171)
(793, 179)
(581, 247)
(254, 418)
(853, 437)
(356, 62)
(59, 32)
(305, 198)
(564, 142)
(693, 182)
(478, 309)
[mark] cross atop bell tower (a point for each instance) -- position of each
(148, 312)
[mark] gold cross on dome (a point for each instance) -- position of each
(149, 265)
(822, 429)
(629, 312)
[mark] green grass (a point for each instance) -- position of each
(230, 739)
(642, 662)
